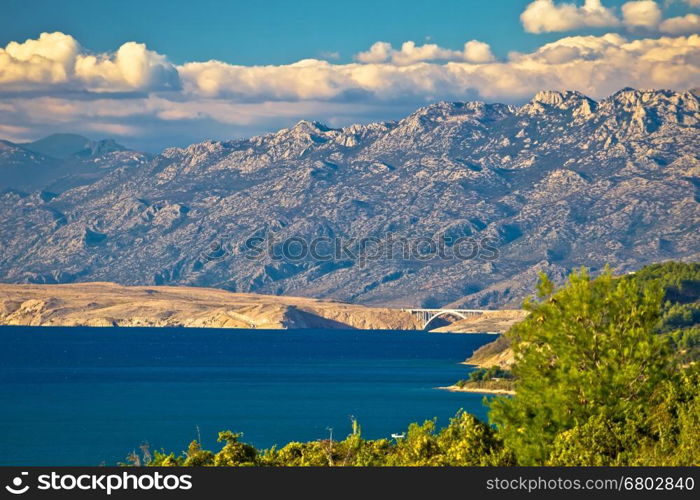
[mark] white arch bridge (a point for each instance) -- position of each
(426, 316)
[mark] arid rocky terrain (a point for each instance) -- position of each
(108, 304)
(559, 182)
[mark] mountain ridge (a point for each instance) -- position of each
(556, 183)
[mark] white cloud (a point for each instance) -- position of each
(477, 52)
(221, 99)
(690, 23)
(411, 53)
(133, 66)
(58, 59)
(543, 16)
(641, 13)
(49, 59)
(380, 52)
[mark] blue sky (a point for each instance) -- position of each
(561, 44)
(276, 31)
(270, 32)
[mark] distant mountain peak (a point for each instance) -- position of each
(63, 146)
(310, 127)
(567, 100)
(556, 97)
(630, 96)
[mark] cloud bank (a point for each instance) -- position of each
(136, 94)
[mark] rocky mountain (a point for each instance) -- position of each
(60, 162)
(503, 191)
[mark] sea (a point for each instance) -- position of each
(91, 396)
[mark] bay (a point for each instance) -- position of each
(89, 396)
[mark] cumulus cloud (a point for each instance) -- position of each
(221, 99)
(133, 66)
(543, 16)
(642, 13)
(49, 59)
(379, 52)
(410, 53)
(58, 59)
(690, 23)
(474, 51)
(477, 52)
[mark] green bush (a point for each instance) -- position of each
(588, 366)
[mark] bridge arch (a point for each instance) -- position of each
(426, 316)
(446, 312)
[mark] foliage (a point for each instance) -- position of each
(680, 281)
(491, 373)
(680, 312)
(196, 456)
(589, 365)
(671, 437)
(489, 379)
(465, 441)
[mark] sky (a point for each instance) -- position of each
(153, 74)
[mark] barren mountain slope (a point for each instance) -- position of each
(559, 182)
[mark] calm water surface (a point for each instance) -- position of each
(85, 396)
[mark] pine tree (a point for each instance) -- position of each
(587, 351)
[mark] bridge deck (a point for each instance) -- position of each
(480, 311)
(427, 315)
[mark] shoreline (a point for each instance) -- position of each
(454, 388)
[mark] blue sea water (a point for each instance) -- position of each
(87, 396)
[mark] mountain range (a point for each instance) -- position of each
(559, 182)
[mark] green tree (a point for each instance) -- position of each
(671, 437)
(234, 452)
(600, 441)
(419, 447)
(467, 441)
(588, 350)
(197, 457)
